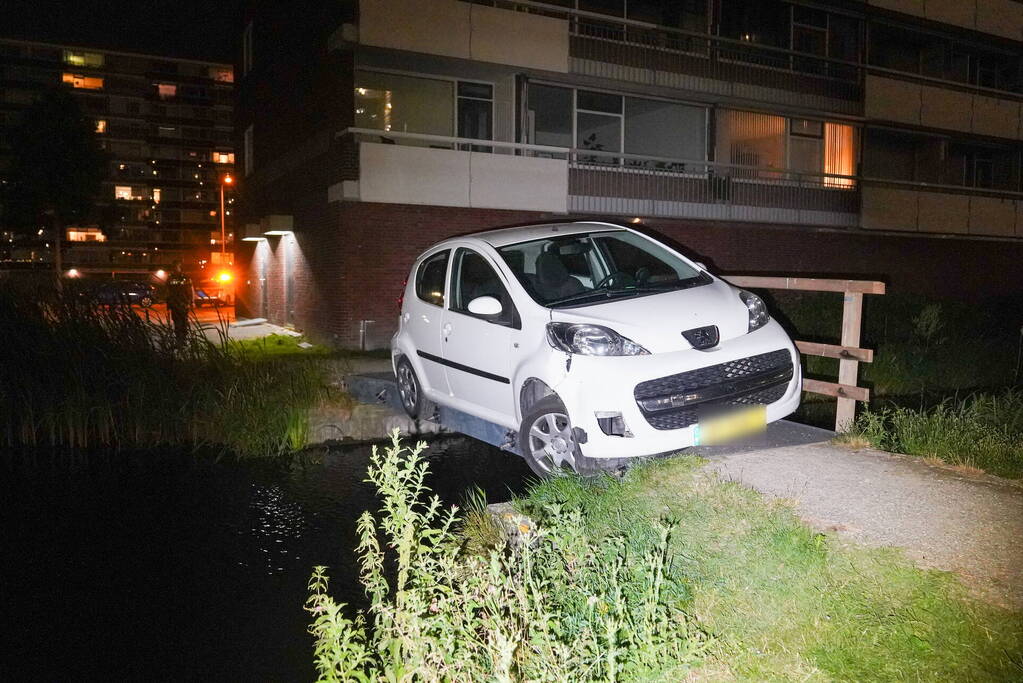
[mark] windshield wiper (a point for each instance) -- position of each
(606, 293)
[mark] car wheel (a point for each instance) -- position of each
(146, 301)
(547, 441)
(410, 391)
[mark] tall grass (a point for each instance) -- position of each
(80, 376)
(983, 431)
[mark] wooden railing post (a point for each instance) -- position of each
(848, 368)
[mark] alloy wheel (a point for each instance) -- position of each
(408, 388)
(551, 442)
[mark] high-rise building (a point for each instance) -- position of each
(881, 139)
(166, 126)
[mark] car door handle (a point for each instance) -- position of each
(447, 330)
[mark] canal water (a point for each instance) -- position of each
(177, 567)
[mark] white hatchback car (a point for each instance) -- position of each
(591, 342)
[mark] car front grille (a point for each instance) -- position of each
(679, 399)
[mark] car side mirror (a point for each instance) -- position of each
(485, 305)
(703, 266)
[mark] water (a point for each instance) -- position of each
(175, 567)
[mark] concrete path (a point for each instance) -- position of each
(945, 519)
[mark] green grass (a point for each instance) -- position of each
(983, 431)
(280, 345)
(781, 602)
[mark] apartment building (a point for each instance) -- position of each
(166, 125)
(879, 139)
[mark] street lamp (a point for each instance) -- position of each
(227, 180)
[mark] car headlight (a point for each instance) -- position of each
(758, 315)
(591, 340)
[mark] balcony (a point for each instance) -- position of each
(928, 208)
(407, 168)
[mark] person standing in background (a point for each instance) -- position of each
(179, 300)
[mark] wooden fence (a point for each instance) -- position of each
(848, 353)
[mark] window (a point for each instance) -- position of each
(404, 103)
(223, 157)
(473, 277)
(247, 53)
(222, 74)
(598, 125)
(167, 131)
(90, 59)
(774, 142)
(86, 82)
(157, 193)
(550, 115)
(475, 111)
(665, 129)
(166, 91)
(125, 192)
(86, 235)
(248, 152)
(430, 279)
(101, 126)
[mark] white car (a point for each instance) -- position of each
(590, 341)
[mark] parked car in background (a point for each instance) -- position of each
(590, 341)
(125, 292)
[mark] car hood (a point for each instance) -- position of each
(656, 321)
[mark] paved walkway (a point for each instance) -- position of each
(945, 519)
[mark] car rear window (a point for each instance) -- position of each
(431, 277)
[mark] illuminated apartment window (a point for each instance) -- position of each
(85, 235)
(101, 126)
(122, 192)
(75, 58)
(166, 91)
(222, 74)
(86, 82)
(156, 195)
(223, 157)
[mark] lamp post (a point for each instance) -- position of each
(227, 180)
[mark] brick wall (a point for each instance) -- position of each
(350, 259)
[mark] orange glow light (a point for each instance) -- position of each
(224, 276)
(228, 180)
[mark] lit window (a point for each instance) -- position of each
(223, 157)
(91, 59)
(166, 91)
(86, 82)
(156, 195)
(101, 126)
(223, 74)
(85, 235)
(122, 192)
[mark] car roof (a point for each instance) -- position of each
(524, 233)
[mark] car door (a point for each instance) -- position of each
(425, 313)
(477, 348)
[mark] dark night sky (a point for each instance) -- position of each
(178, 28)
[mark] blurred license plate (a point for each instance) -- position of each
(730, 426)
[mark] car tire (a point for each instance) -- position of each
(551, 448)
(146, 301)
(410, 391)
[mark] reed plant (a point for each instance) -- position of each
(76, 375)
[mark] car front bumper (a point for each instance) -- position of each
(595, 387)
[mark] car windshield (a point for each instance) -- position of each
(586, 268)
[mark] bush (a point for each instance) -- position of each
(563, 605)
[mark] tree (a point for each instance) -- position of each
(57, 168)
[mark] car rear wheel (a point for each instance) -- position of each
(410, 391)
(146, 301)
(548, 442)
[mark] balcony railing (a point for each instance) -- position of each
(626, 49)
(603, 182)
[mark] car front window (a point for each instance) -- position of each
(587, 268)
